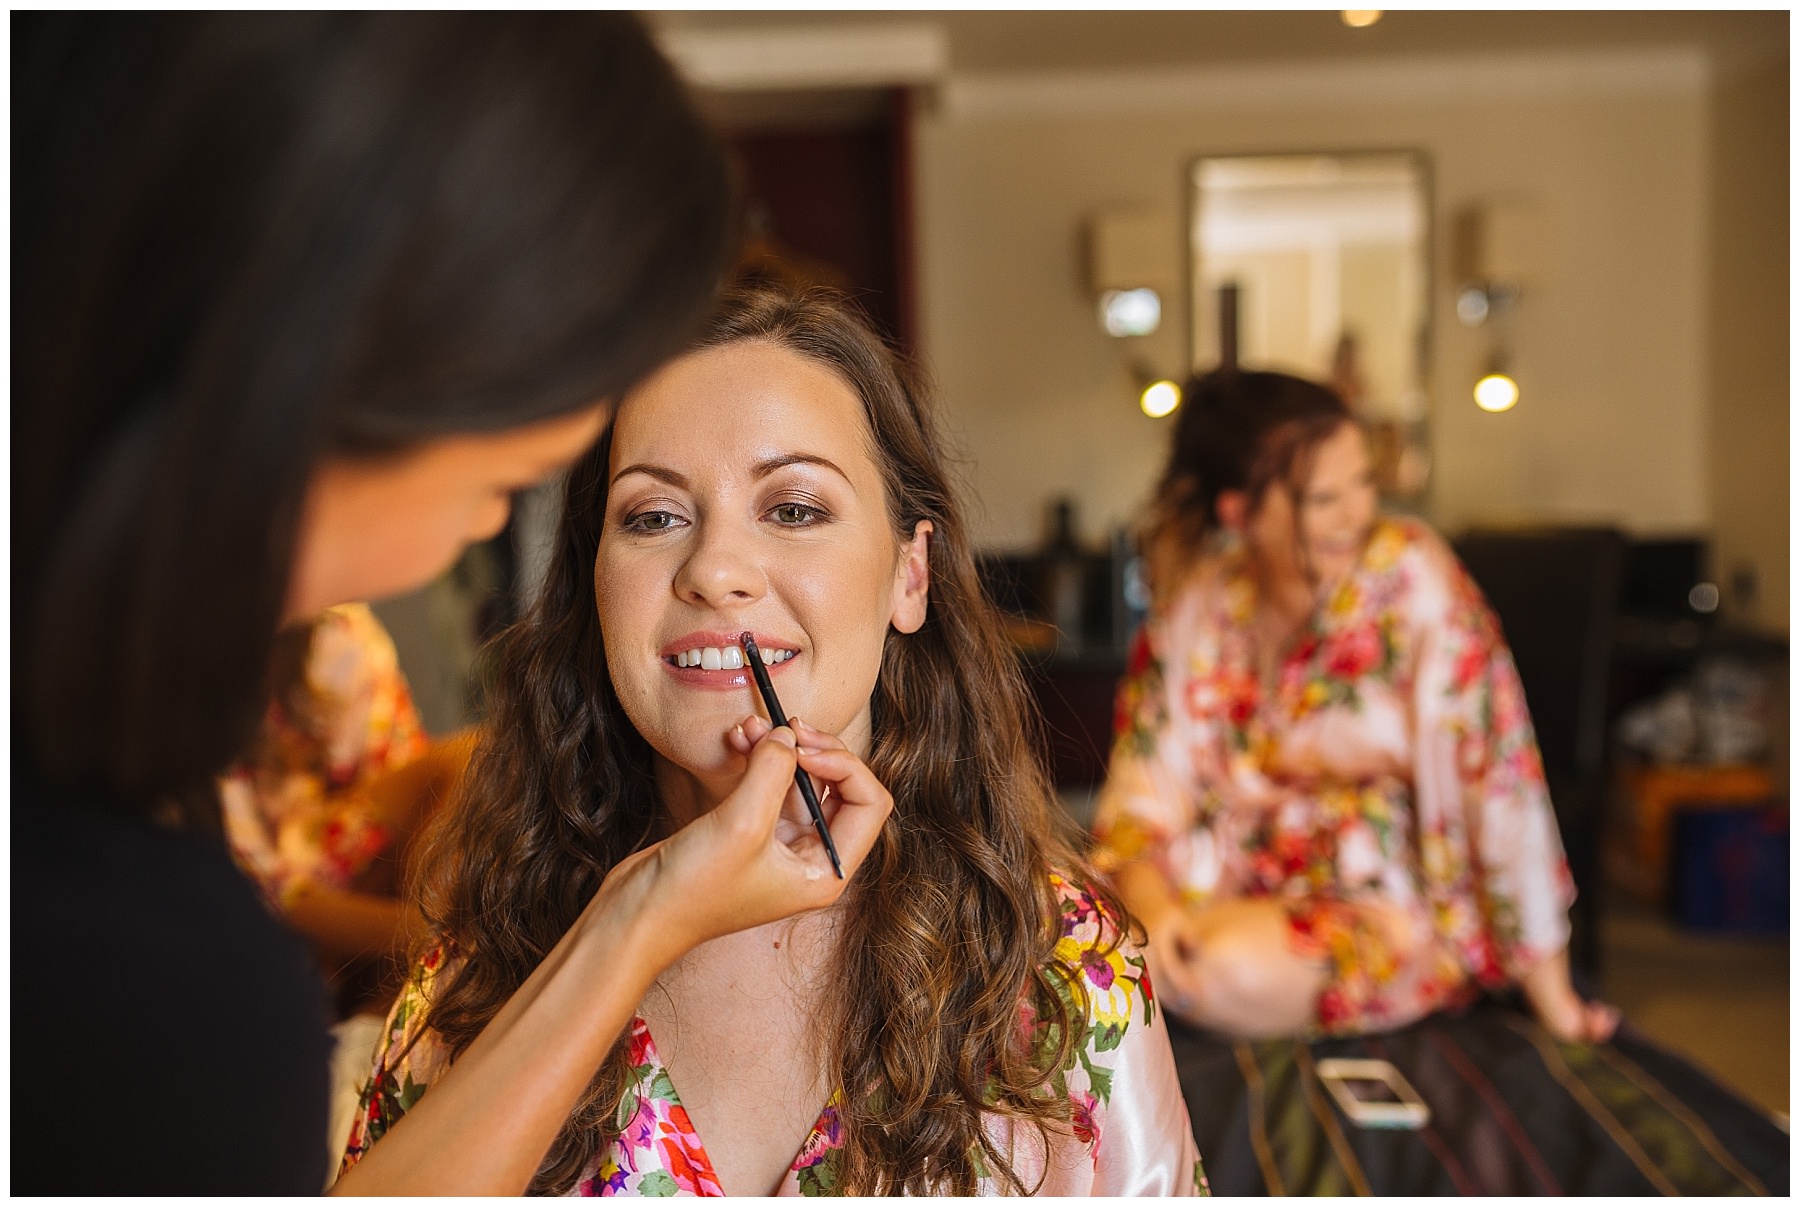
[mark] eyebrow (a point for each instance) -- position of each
(761, 469)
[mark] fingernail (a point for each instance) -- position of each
(785, 736)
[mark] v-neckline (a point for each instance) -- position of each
(1242, 578)
(702, 1159)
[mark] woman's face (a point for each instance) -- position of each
(374, 527)
(1325, 537)
(743, 496)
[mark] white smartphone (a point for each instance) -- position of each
(1372, 1093)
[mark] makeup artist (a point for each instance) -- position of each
(299, 300)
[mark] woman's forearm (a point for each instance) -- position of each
(486, 1123)
(1147, 893)
(351, 923)
(1550, 988)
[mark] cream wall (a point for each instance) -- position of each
(1749, 335)
(1612, 351)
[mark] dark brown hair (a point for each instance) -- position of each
(1236, 430)
(245, 241)
(950, 926)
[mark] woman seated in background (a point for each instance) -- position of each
(323, 808)
(1325, 801)
(972, 1015)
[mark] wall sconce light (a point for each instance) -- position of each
(1130, 311)
(1496, 250)
(1130, 255)
(1361, 18)
(1496, 392)
(1160, 398)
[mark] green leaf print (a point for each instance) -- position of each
(629, 1102)
(820, 1180)
(658, 1185)
(410, 1093)
(661, 1088)
(1107, 1038)
(1101, 1079)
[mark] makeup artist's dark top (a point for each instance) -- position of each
(169, 1036)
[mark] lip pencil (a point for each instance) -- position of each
(801, 779)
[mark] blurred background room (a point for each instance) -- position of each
(1544, 255)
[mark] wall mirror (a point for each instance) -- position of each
(1319, 265)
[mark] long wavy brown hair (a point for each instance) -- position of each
(949, 928)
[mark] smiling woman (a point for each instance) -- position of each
(1324, 799)
(974, 1014)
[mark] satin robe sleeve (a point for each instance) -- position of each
(1491, 856)
(1146, 1143)
(1148, 808)
(1129, 1128)
(407, 1059)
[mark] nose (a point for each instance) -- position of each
(720, 570)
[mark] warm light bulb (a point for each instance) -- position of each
(1160, 399)
(1496, 392)
(1361, 18)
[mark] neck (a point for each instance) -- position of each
(1284, 591)
(685, 795)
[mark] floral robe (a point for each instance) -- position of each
(1130, 1132)
(1390, 759)
(289, 817)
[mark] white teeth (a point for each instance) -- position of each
(727, 658)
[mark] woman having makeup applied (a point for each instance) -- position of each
(972, 1015)
(1325, 800)
(299, 301)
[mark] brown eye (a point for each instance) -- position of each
(650, 521)
(795, 515)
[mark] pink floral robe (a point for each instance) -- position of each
(291, 820)
(1391, 759)
(1130, 1133)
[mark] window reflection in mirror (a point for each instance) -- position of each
(1327, 259)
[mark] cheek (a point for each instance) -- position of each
(628, 603)
(847, 605)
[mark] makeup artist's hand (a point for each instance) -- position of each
(487, 1121)
(756, 858)
(836, 773)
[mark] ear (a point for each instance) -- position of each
(1233, 508)
(912, 580)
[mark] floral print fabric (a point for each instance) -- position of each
(289, 814)
(1388, 759)
(1130, 1132)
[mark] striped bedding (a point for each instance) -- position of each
(1513, 1112)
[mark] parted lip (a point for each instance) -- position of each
(720, 638)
